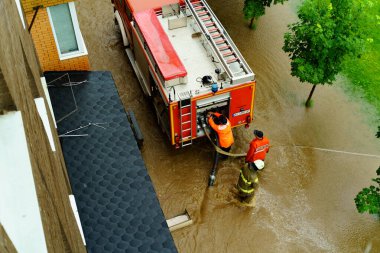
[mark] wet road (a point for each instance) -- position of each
(305, 201)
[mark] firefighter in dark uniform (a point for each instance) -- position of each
(249, 182)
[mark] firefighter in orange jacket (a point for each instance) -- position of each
(222, 127)
(258, 148)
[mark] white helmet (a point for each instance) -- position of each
(259, 164)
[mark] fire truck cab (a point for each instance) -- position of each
(186, 63)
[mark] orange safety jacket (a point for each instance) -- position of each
(226, 139)
(258, 149)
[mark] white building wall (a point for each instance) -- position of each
(19, 209)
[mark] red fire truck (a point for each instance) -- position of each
(186, 63)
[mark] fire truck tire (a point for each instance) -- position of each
(122, 28)
(158, 115)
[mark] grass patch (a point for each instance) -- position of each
(364, 72)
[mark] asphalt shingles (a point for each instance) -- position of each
(117, 204)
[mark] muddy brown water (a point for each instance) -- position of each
(305, 201)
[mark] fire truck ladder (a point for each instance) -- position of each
(185, 117)
(223, 46)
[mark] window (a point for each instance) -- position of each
(67, 35)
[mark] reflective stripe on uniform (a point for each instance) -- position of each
(222, 127)
(244, 179)
(246, 191)
(261, 148)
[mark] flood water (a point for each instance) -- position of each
(305, 202)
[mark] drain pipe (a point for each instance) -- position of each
(34, 16)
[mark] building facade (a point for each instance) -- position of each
(55, 30)
(36, 214)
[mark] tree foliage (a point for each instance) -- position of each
(253, 9)
(378, 132)
(368, 199)
(327, 32)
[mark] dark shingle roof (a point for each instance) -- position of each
(116, 201)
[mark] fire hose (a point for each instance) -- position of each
(218, 151)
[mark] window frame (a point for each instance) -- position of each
(82, 50)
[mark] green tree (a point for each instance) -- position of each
(368, 199)
(328, 31)
(378, 132)
(253, 9)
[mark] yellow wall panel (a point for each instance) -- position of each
(28, 5)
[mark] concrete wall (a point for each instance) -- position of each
(19, 209)
(20, 84)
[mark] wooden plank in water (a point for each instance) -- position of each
(179, 221)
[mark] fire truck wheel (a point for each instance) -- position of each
(160, 123)
(122, 28)
(159, 107)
